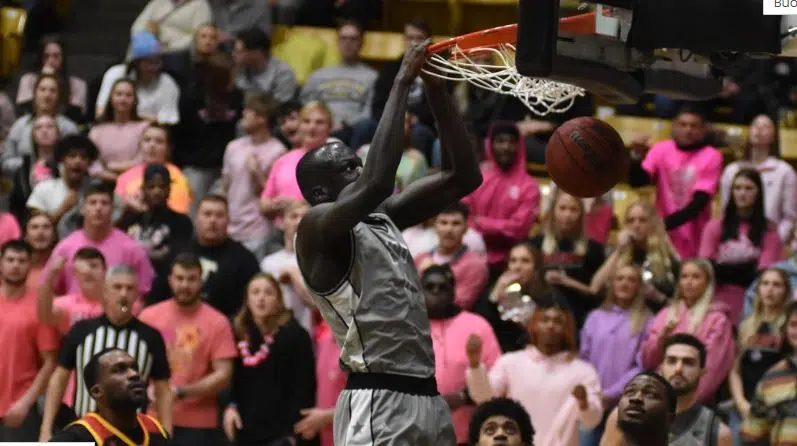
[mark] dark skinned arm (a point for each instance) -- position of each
(330, 222)
(460, 174)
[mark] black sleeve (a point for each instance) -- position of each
(304, 379)
(72, 434)
(689, 212)
(184, 233)
(126, 220)
(637, 176)
(160, 362)
(596, 255)
(742, 274)
(67, 356)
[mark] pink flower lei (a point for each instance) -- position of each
(253, 360)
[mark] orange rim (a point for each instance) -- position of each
(582, 24)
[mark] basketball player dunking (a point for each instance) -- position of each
(363, 278)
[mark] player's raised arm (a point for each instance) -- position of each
(341, 191)
(460, 173)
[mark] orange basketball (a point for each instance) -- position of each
(586, 157)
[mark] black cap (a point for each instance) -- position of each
(153, 170)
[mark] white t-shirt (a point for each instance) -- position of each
(48, 195)
(160, 100)
(421, 240)
(274, 264)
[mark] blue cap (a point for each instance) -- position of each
(144, 45)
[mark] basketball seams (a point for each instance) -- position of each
(565, 147)
(597, 166)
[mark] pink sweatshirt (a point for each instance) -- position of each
(9, 228)
(470, 275)
(740, 250)
(544, 386)
(678, 174)
(780, 191)
(505, 206)
(330, 379)
(449, 337)
(714, 332)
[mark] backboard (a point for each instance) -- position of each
(612, 51)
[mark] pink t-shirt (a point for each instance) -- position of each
(449, 337)
(740, 250)
(76, 307)
(246, 221)
(9, 228)
(281, 181)
(543, 385)
(678, 174)
(330, 379)
(193, 341)
(117, 143)
(117, 248)
(23, 338)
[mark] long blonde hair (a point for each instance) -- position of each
(700, 308)
(243, 319)
(550, 239)
(639, 311)
(659, 250)
(750, 324)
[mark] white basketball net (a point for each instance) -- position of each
(493, 69)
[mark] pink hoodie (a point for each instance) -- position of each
(714, 332)
(505, 206)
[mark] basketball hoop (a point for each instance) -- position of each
(486, 59)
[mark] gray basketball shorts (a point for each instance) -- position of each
(380, 417)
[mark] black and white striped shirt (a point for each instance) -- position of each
(90, 336)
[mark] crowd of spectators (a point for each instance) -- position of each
(156, 210)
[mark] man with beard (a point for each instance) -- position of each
(113, 380)
(201, 349)
(29, 347)
(694, 424)
(501, 422)
(119, 327)
(645, 410)
(454, 333)
(227, 265)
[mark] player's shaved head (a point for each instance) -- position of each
(323, 172)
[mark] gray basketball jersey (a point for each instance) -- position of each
(378, 312)
(698, 426)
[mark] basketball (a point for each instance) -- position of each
(586, 157)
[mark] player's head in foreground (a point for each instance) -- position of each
(113, 380)
(646, 408)
(324, 171)
(500, 422)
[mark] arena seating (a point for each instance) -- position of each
(12, 32)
